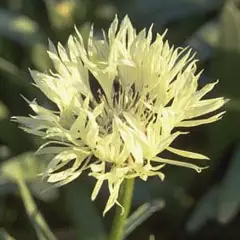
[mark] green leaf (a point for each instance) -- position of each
(10, 68)
(5, 152)
(225, 67)
(12, 136)
(230, 38)
(43, 190)
(4, 235)
(42, 230)
(142, 214)
(26, 165)
(161, 12)
(19, 28)
(40, 57)
(205, 210)
(222, 202)
(229, 195)
(205, 39)
(18, 170)
(3, 111)
(82, 212)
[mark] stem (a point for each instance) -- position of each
(41, 227)
(125, 199)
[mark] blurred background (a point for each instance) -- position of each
(186, 205)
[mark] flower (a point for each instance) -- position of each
(146, 89)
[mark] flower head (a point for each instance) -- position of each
(145, 90)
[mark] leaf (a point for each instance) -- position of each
(26, 165)
(43, 190)
(205, 39)
(19, 28)
(142, 214)
(222, 202)
(40, 57)
(225, 66)
(42, 229)
(229, 195)
(82, 212)
(4, 235)
(12, 136)
(230, 38)
(164, 11)
(5, 152)
(205, 210)
(10, 68)
(3, 111)
(20, 169)
(142, 192)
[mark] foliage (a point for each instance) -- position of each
(212, 29)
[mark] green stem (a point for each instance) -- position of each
(119, 222)
(41, 227)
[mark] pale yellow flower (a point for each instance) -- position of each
(146, 89)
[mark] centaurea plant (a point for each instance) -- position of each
(147, 89)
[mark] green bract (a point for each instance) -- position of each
(146, 89)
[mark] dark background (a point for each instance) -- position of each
(197, 206)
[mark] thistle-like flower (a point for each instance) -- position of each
(145, 90)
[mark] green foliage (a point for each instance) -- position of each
(3, 111)
(78, 206)
(20, 169)
(222, 201)
(18, 28)
(141, 215)
(210, 27)
(225, 66)
(4, 235)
